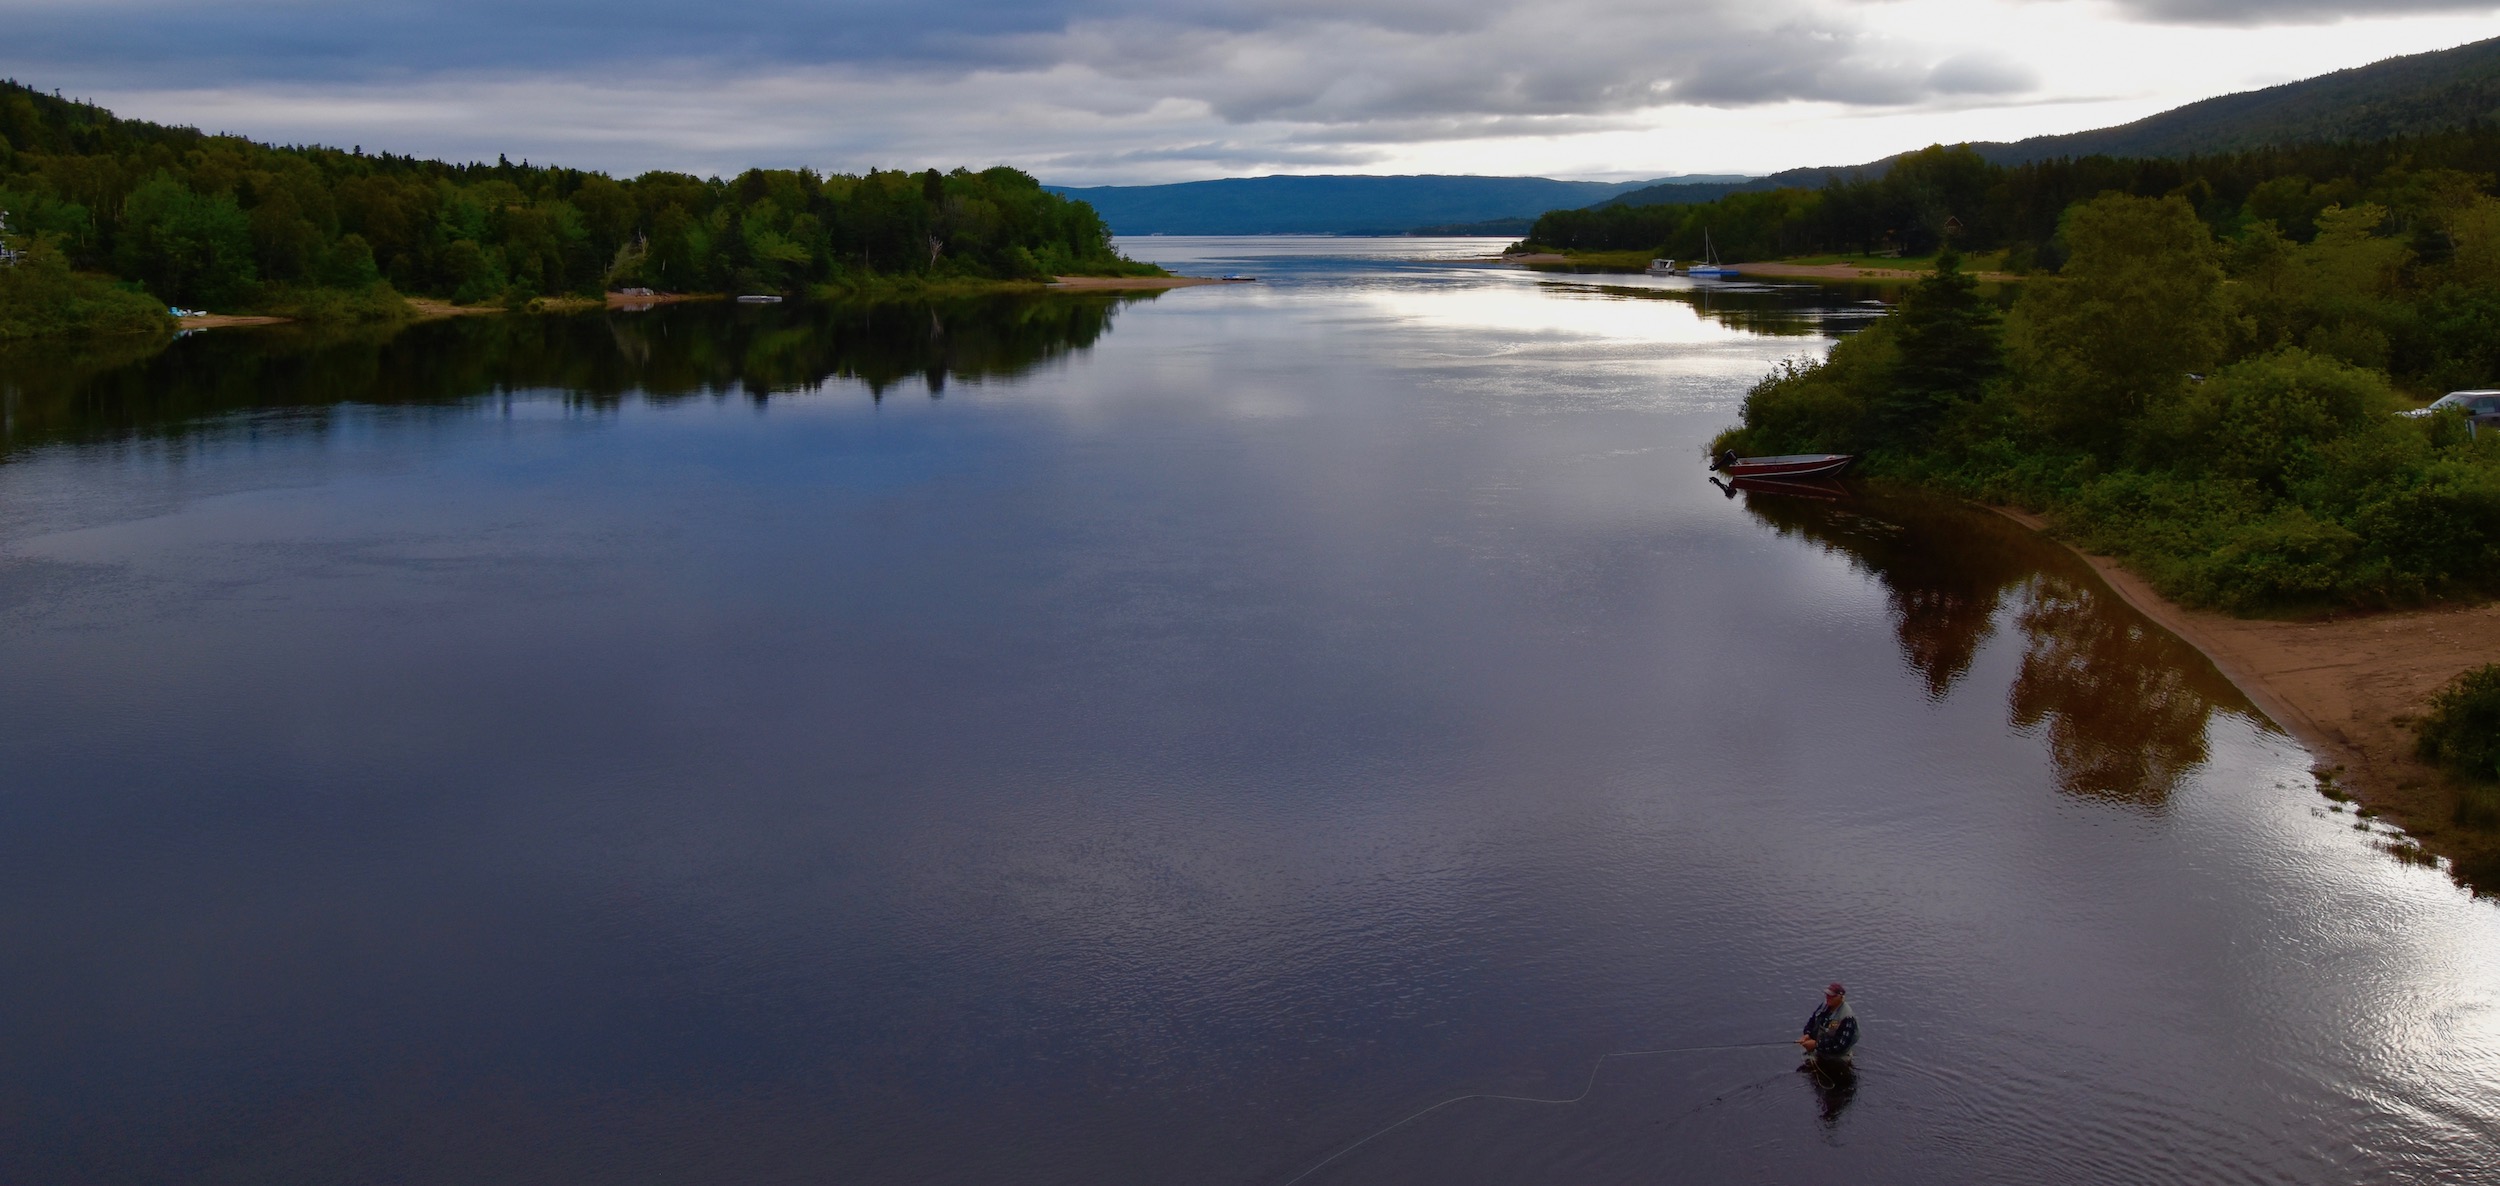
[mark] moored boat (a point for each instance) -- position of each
(1794, 465)
(1709, 265)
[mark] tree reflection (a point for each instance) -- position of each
(2110, 692)
(1945, 578)
(110, 391)
(2121, 705)
(1773, 310)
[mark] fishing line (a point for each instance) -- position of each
(1585, 1089)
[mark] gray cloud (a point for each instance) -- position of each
(1088, 84)
(1979, 74)
(2286, 12)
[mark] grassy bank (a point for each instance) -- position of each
(43, 296)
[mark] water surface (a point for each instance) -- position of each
(1108, 741)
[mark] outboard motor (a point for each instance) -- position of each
(1725, 458)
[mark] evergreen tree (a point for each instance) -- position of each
(1949, 347)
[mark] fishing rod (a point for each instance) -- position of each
(1585, 1089)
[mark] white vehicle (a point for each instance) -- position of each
(2481, 407)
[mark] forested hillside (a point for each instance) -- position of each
(223, 222)
(2415, 96)
(2220, 412)
(1937, 191)
(2408, 96)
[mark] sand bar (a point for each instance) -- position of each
(1138, 283)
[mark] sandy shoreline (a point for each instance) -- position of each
(2348, 688)
(1782, 271)
(1851, 272)
(1138, 283)
(224, 321)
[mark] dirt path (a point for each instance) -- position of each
(2346, 687)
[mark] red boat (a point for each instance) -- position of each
(1798, 465)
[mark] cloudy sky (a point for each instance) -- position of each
(1102, 91)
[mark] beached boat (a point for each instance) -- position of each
(1709, 267)
(1794, 465)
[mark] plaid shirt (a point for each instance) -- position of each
(1833, 1037)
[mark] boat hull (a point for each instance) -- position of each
(1816, 465)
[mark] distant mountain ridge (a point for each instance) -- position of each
(2410, 95)
(1335, 204)
(2403, 96)
(2406, 96)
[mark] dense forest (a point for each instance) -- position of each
(122, 389)
(178, 216)
(1927, 195)
(2221, 414)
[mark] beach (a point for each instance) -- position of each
(1138, 283)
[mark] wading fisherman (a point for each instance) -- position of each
(1832, 1032)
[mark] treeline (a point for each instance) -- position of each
(1938, 193)
(123, 389)
(2219, 414)
(224, 222)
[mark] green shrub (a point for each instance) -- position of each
(43, 296)
(2461, 732)
(2262, 419)
(1817, 407)
(372, 302)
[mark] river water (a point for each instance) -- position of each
(1089, 740)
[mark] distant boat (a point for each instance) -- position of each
(1794, 465)
(1661, 267)
(759, 299)
(1710, 267)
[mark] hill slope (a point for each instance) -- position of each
(2405, 96)
(1325, 205)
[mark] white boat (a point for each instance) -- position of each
(757, 298)
(1710, 267)
(1661, 267)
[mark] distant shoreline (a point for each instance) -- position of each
(1136, 283)
(1774, 269)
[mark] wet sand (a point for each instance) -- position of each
(2348, 688)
